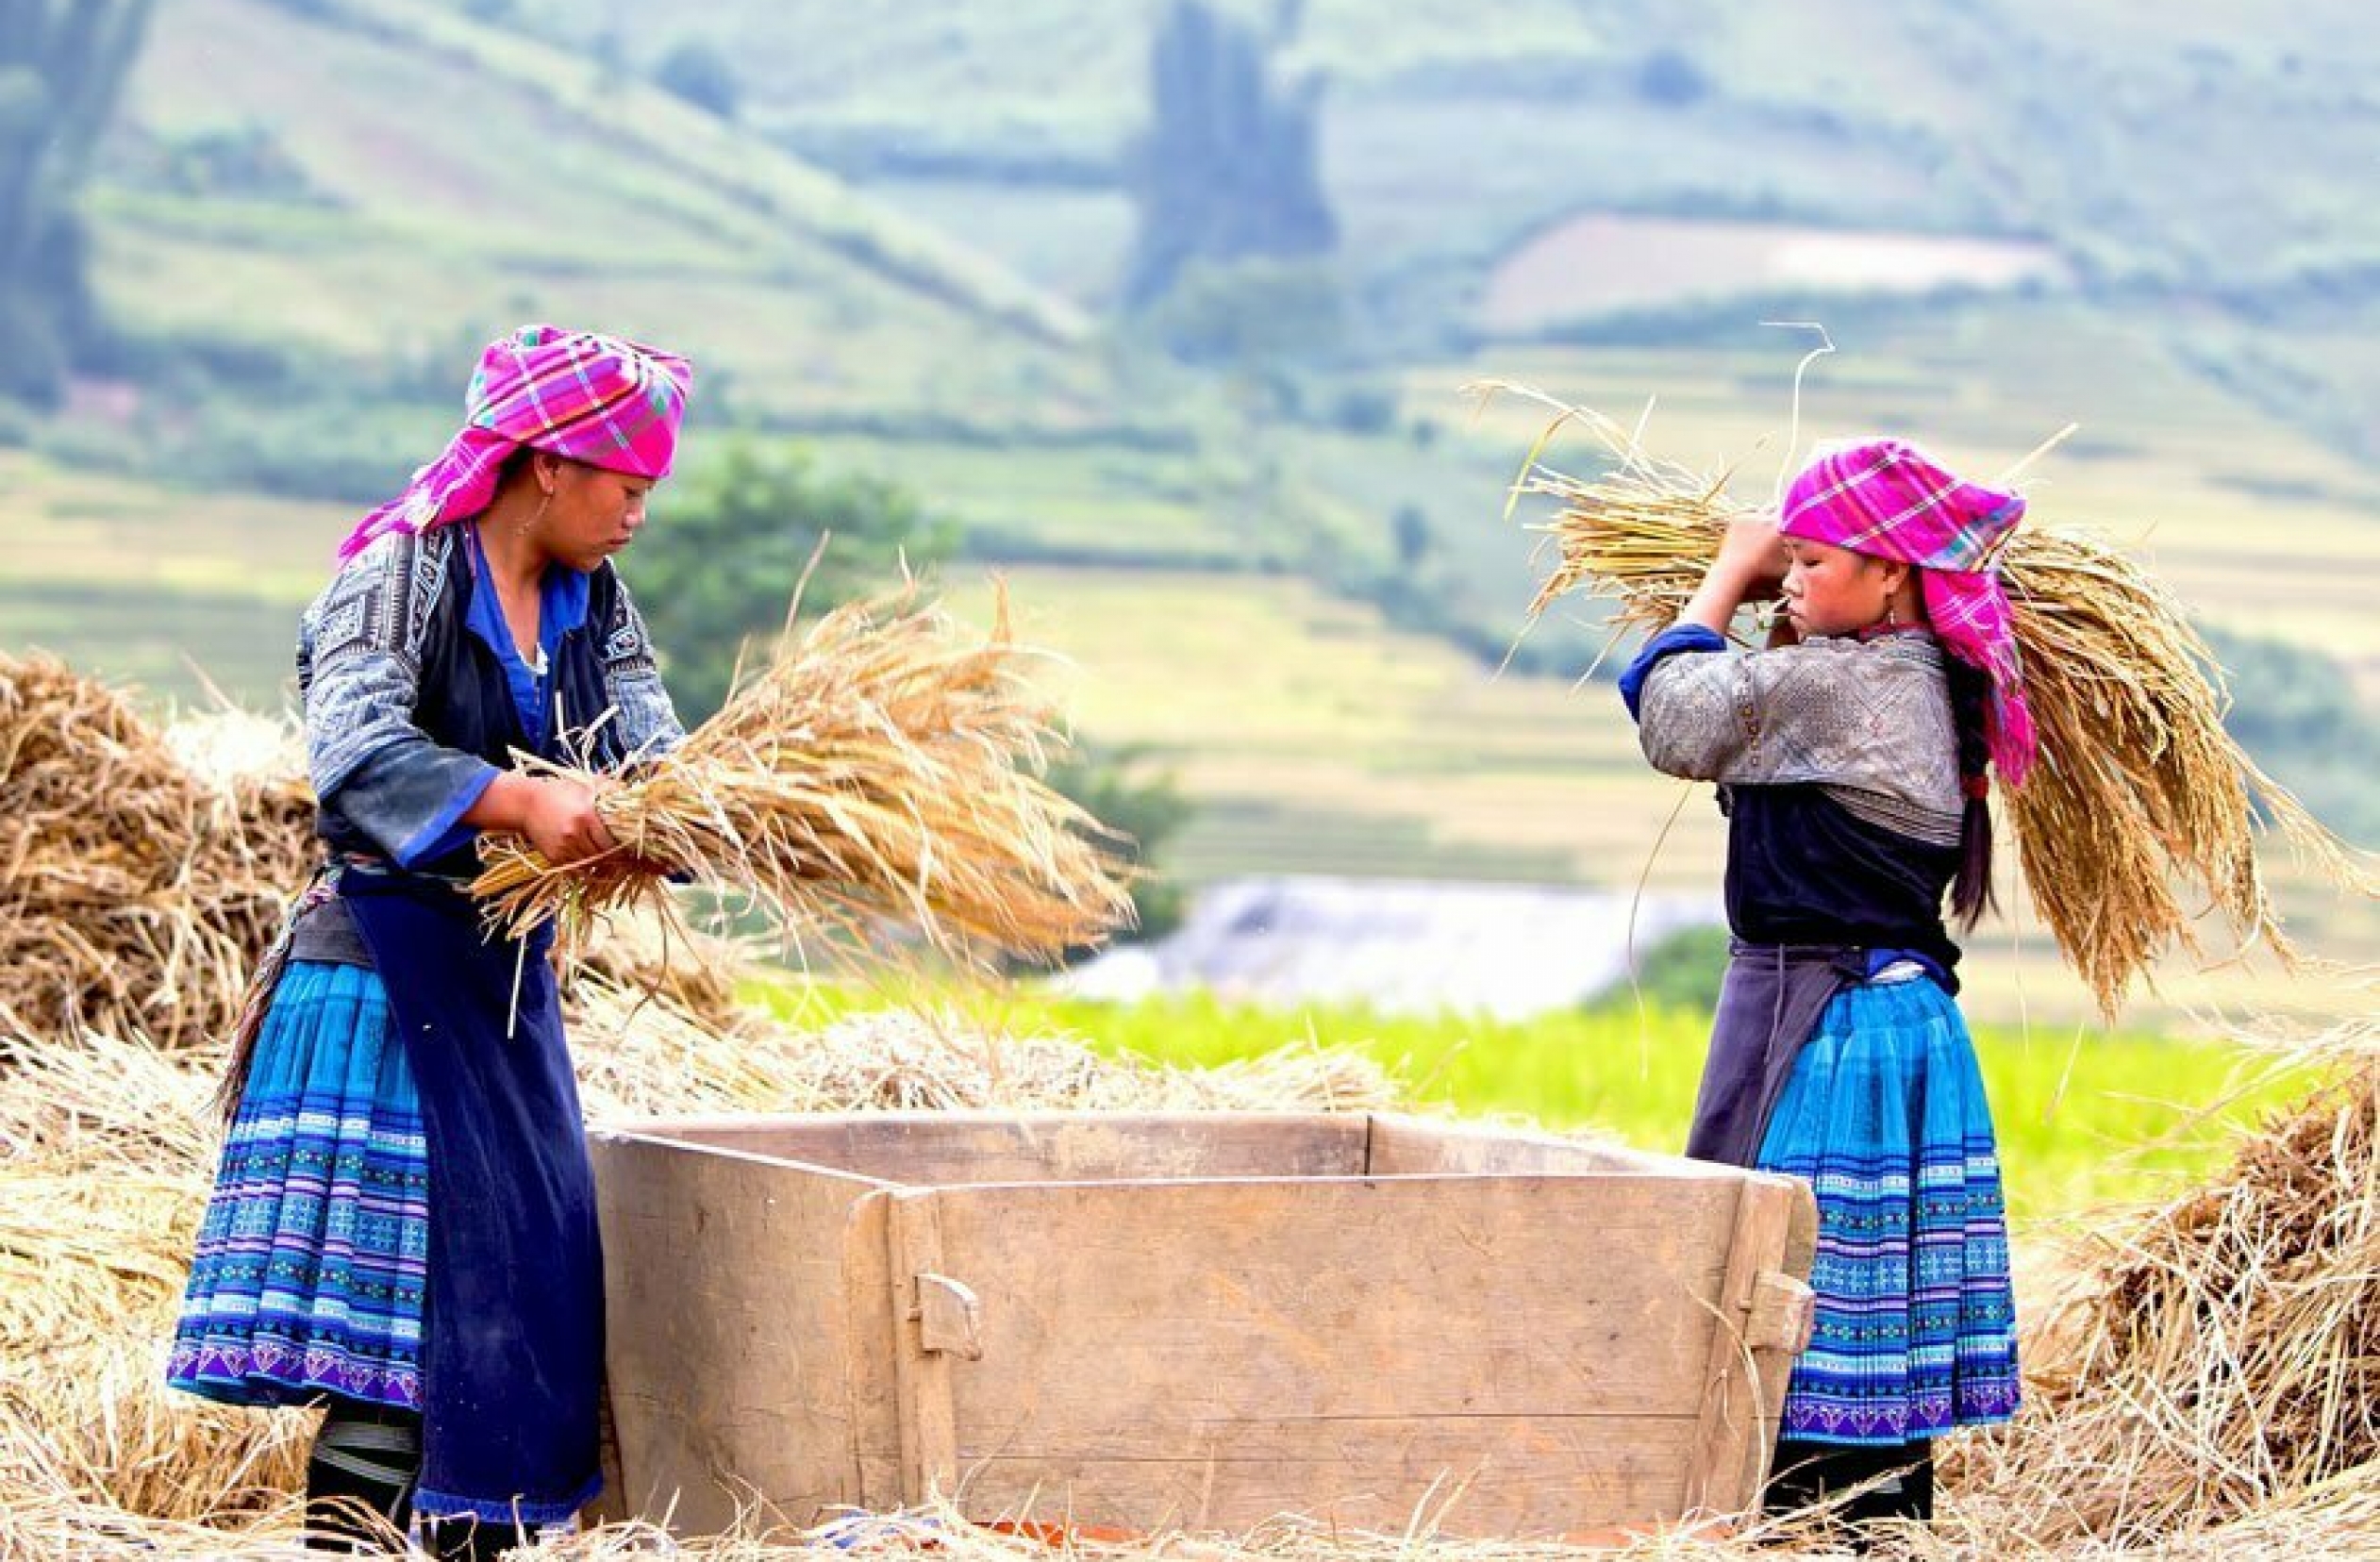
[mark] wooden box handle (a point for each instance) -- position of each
(1783, 1311)
(949, 1316)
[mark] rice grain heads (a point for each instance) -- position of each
(882, 768)
(2140, 813)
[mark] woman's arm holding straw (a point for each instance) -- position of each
(1750, 564)
(557, 814)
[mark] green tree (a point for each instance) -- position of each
(1259, 316)
(1228, 168)
(62, 68)
(1411, 528)
(1682, 969)
(695, 70)
(719, 566)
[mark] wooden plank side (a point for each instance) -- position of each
(1140, 1319)
(929, 1432)
(935, 1149)
(1404, 1146)
(870, 1366)
(728, 1333)
(1483, 1477)
(1744, 1387)
(1773, 1368)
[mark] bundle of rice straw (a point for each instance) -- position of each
(2140, 810)
(883, 768)
(135, 891)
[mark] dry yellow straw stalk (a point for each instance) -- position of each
(2140, 812)
(884, 767)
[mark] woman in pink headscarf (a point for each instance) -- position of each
(402, 1226)
(1853, 759)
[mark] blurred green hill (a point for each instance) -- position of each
(897, 235)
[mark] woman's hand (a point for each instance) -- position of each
(1749, 567)
(560, 821)
(557, 815)
(1752, 557)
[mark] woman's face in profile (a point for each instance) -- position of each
(595, 513)
(1831, 590)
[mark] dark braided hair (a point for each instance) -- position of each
(1971, 893)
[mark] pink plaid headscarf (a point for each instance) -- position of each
(592, 398)
(1886, 499)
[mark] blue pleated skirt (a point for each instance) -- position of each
(1884, 1114)
(312, 1257)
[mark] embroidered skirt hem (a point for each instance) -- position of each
(523, 1511)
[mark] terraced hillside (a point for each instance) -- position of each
(2172, 144)
(446, 174)
(412, 179)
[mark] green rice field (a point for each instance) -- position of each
(2084, 1122)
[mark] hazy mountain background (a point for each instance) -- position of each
(1163, 309)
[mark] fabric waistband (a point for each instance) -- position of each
(325, 930)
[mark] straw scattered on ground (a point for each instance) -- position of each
(883, 768)
(2141, 814)
(108, 1150)
(2205, 1392)
(638, 1056)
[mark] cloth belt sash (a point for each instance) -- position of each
(1769, 1006)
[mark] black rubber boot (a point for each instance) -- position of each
(363, 1466)
(1900, 1477)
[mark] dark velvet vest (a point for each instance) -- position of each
(466, 705)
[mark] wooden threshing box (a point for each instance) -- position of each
(1196, 1321)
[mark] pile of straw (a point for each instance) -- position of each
(884, 768)
(641, 1057)
(134, 891)
(2140, 812)
(106, 1154)
(2224, 1356)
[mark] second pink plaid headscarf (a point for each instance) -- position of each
(1886, 498)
